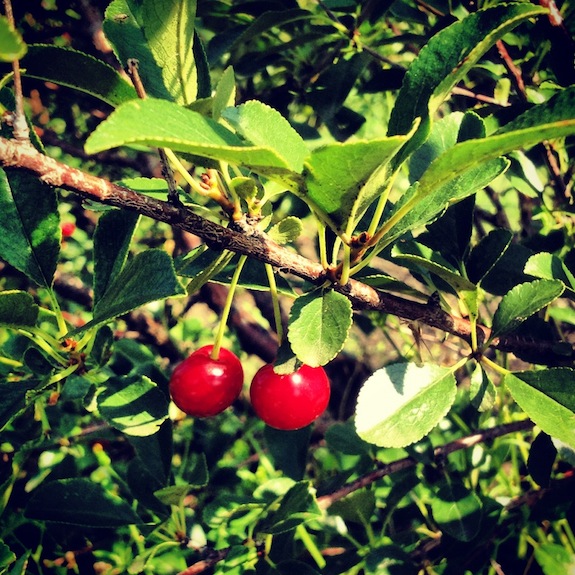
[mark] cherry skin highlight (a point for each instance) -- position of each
(290, 401)
(203, 387)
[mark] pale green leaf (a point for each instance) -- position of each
(555, 559)
(225, 94)
(286, 231)
(401, 403)
(522, 301)
(164, 124)
(12, 46)
(548, 266)
(169, 29)
(319, 325)
(547, 397)
(265, 127)
(343, 179)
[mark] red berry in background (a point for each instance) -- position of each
(290, 401)
(202, 387)
(68, 228)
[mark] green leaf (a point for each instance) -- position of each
(124, 28)
(112, 239)
(17, 309)
(547, 398)
(225, 95)
(486, 254)
(265, 127)
(12, 46)
(318, 327)
(169, 29)
(388, 560)
(522, 302)
(457, 510)
(343, 179)
(289, 450)
(424, 257)
(482, 391)
(357, 507)
(422, 204)
(548, 266)
(147, 277)
(343, 437)
(297, 506)
(166, 125)
(134, 405)
(542, 455)
(29, 226)
(448, 57)
(80, 502)
(555, 559)
(286, 231)
(552, 119)
(15, 397)
(73, 69)
(7, 557)
(401, 403)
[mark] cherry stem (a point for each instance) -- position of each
(215, 354)
(275, 301)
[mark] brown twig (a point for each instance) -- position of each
(243, 239)
(440, 453)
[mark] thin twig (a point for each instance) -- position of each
(19, 123)
(440, 453)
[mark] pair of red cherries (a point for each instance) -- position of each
(203, 387)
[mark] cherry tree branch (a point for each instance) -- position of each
(242, 238)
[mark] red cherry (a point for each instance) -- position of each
(202, 387)
(290, 401)
(68, 228)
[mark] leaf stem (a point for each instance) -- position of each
(227, 307)
(494, 366)
(310, 545)
(275, 301)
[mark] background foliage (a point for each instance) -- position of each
(406, 167)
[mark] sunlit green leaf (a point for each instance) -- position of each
(522, 302)
(12, 46)
(318, 327)
(401, 403)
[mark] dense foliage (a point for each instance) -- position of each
(380, 189)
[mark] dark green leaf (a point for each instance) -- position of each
(289, 450)
(487, 253)
(7, 557)
(447, 58)
(482, 391)
(457, 510)
(342, 437)
(542, 455)
(522, 302)
(29, 226)
(17, 309)
(134, 405)
(401, 403)
(388, 560)
(297, 506)
(147, 277)
(112, 239)
(319, 325)
(80, 502)
(547, 398)
(73, 69)
(356, 507)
